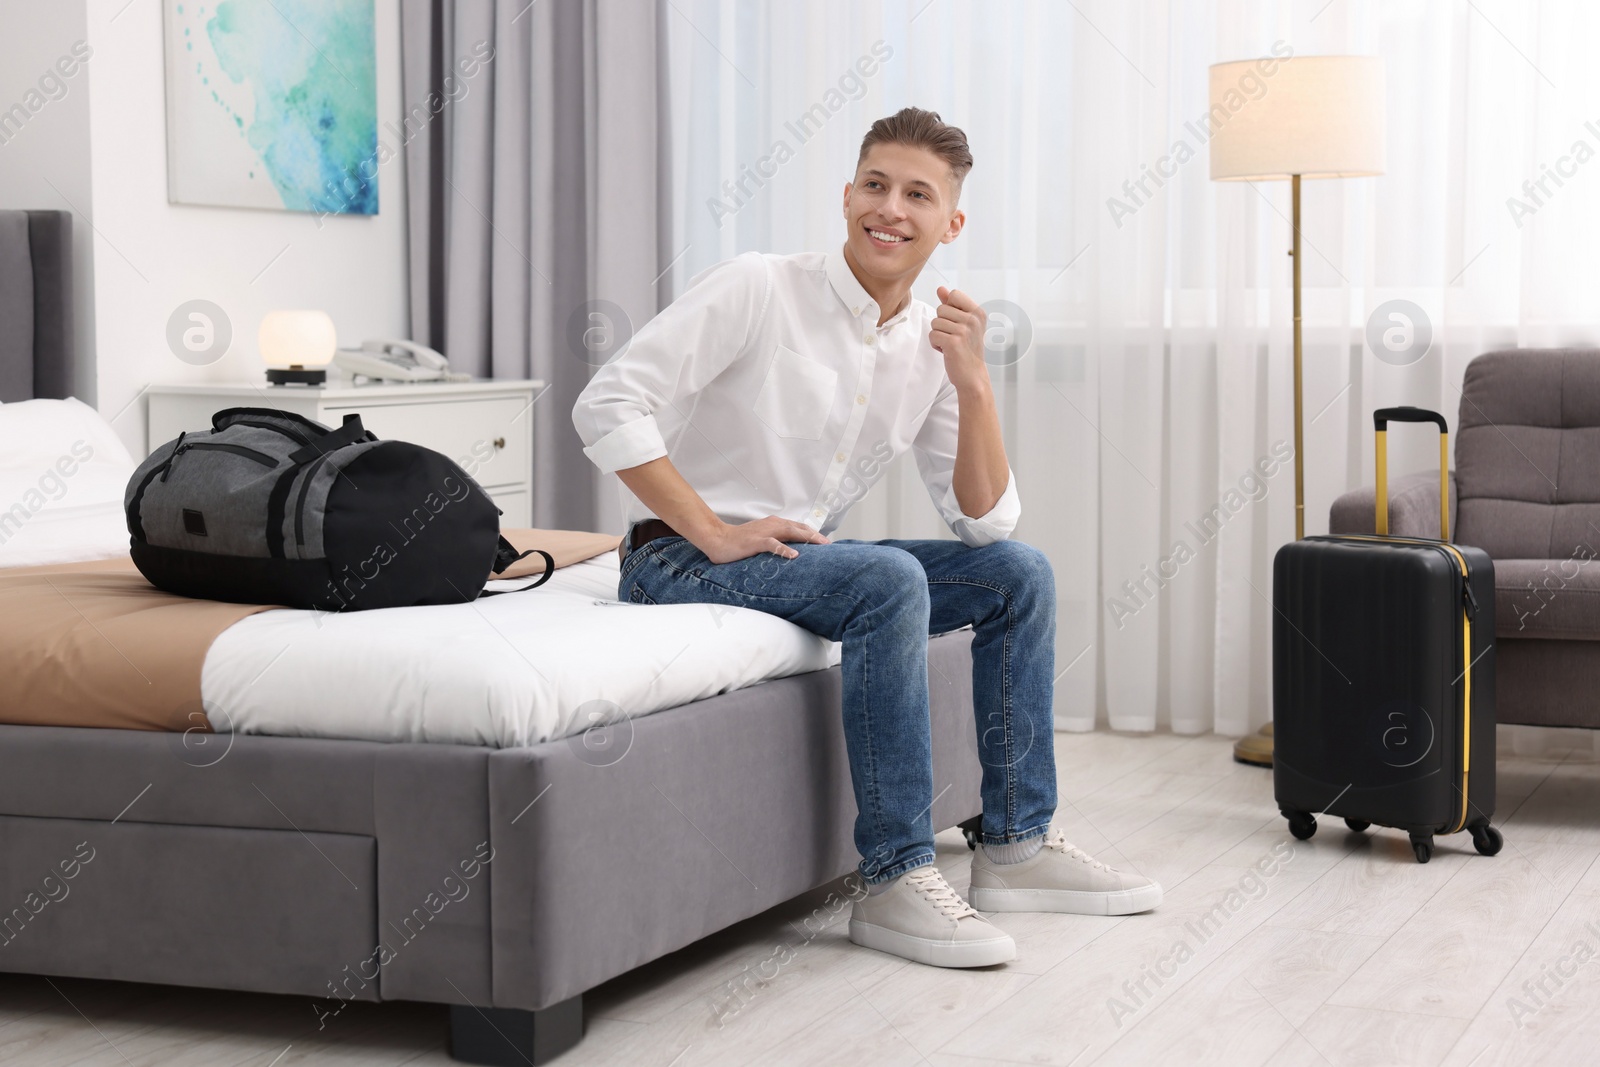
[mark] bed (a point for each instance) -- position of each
(501, 858)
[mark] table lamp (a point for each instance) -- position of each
(297, 346)
(1315, 117)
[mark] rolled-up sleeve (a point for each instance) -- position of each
(935, 452)
(674, 355)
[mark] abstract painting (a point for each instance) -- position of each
(272, 104)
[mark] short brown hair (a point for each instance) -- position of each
(916, 128)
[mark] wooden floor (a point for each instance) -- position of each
(1347, 952)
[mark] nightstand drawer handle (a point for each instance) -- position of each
(499, 442)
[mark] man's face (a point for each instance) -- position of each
(901, 207)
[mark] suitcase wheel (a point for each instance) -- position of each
(1422, 845)
(972, 830)
(1486, 839)
(1302, 824)
(1357, 825)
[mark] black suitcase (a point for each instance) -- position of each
(1383, 676)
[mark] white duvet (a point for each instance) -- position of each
(515, 669)
(506, 670)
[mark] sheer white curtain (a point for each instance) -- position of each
(1157, 385)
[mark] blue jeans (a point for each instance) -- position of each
(882, 599)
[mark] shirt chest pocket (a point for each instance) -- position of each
(796, 395)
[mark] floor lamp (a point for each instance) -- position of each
(1303, 117)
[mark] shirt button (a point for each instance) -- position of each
(838, 457)
(855, 311)
(816, 511)
(860, 399)
(871, 339)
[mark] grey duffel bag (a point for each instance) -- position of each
(269, 507)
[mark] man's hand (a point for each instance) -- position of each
(958, 333)
(729, 542)
(663, 490)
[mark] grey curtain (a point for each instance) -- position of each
(535, 139)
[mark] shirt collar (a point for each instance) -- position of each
(855, 296)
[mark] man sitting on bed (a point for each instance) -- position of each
(786, 385)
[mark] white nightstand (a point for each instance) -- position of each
(487, 426)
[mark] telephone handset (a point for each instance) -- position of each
(396, 360)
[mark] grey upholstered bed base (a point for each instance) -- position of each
(283, 865)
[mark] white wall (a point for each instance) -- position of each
(151, 256)
(47, 143)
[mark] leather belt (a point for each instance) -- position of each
(648, 530)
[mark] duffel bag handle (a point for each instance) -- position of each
(1380, 425)
(350, 433)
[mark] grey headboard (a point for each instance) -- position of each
(35, 305)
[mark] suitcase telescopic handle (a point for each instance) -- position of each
(1380, 424)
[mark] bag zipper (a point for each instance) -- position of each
(1469, 608)
(166, 464)
(222, 446)
(136, 506)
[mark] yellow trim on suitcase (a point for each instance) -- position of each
(1466, 720)
(1466, 658)
(1466, 695)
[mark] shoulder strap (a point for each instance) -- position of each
(506, 554)
(352, 432)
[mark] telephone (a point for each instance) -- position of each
(396, 361)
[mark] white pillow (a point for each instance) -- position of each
(63, 472)
(36, 432)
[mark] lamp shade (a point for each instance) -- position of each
(297, 339)
(1315, 116)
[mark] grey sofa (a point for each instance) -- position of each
(503, 882)
(1526, 489)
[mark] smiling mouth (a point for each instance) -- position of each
(885, 239)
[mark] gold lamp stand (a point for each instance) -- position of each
(1256, 748)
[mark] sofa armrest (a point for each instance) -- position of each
(1413, 507)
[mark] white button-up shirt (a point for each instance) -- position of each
(774, 391)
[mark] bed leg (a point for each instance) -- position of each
(512, 1037)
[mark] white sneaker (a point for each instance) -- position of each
(920, 918)
(1059, 877)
